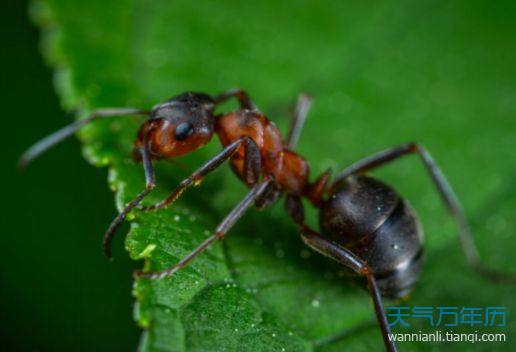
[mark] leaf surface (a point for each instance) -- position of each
(381, 75)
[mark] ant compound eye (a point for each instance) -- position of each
(183, 131)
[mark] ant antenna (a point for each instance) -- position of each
(48, 142)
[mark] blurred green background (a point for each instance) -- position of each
(57, 291)
(437, 72)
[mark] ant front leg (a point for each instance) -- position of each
(347, 258)
(149, 186)
(221, 230)
(252, 169)
(241, 95)
(445, 191)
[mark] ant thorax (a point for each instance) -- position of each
(290, 170)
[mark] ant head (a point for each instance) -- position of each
(178, 126)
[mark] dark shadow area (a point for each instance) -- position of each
(57, 291)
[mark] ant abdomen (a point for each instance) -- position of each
(367, 217)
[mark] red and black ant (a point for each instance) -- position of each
(365, 225)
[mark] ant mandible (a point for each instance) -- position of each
(366, 226)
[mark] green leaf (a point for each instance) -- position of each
(438, 73)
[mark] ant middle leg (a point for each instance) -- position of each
(221, 230)
(252, 169)
(447, 195)
(347, 258)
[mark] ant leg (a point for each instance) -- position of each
(252, 162)
(304, 102)
(447, 195)
(48, 142)
(269, 196)
(295, 209)
(347, 258)
(241, 95)
(220, 232)
(272, 194)
(149, 186)
(253, 168)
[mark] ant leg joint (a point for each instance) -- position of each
(188, 181)
(415, 147)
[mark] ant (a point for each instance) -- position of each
(366, 226)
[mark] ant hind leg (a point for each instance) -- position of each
(347, 258)
(447, 195)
